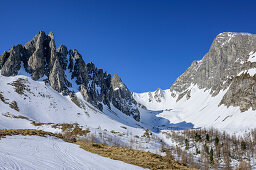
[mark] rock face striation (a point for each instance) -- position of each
(229, 65)
(66, 72)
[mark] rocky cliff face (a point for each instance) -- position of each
(225, 67)
(120, 91)
(64, 69)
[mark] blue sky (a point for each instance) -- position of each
(149, 43)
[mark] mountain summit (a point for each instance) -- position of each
(67, 73)
(229, 54)
(217, 91)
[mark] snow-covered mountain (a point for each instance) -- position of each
(49, 86)
(67, 73)
(217, 91)
(55, 85)
(43, 87)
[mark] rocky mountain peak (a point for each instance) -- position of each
(117, 82)
(51, 35)
(41, 58)
(158, 95)
(120, 91)
(228, 55)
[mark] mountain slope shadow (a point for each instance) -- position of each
(149, 120)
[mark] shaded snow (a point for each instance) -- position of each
(201, 109)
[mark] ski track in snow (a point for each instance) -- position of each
(34, 152)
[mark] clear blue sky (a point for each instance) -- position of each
(149, 43)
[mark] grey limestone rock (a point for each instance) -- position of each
(218, 70)
(35, 50)
(11, 61)
(57, 77)
(122, 98)
(41, 58)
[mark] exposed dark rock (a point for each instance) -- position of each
(122, 98)
(78, 67)
(57, 77)
(36, 55)
(11, 61)
(41, 58)
(62, 53)
(3, 58)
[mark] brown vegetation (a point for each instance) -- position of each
(14, 116)
(11, 132)
(135, 157)
(14, 106)
(215, 148)
(20, 86)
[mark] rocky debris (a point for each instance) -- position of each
(218, 71)
(41, 59)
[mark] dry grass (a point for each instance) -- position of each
(14, 106)
(11, 132)
(135, 157)
(40, 124)
(14, 116)
(20, 86)
(71, 131)
(3, 99)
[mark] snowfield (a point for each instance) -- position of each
(34, 152)
(40, 103)
(201, 109)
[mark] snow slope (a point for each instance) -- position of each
(201, 109)
(34, 152)
(40, 103)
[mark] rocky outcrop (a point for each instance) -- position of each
(218, 70)
(35, 52)
(122, 98)
(158, 95)
(41, 59)
(10, 61)
(57, 77)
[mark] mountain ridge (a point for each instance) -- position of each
(216, 91)
(64, 70)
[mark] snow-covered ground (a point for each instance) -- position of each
(40, 103)
(201, 109)
(34, 152)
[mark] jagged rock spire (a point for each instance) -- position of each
(122, 97)
(41, 58)
(35, 54)
(117, 82)
(10, 61)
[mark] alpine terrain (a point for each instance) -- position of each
(59, 102)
